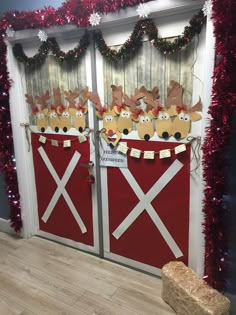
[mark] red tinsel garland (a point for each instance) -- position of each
(7, 163)
(216, 140)
(72, 11)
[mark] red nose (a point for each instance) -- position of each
(110, 132)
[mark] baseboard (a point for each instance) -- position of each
(6, 227)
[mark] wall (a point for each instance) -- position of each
(22, 5)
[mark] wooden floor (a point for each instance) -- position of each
(41, 277)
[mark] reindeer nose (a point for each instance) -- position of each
(125, 131)
(146, 137)
(110, 132)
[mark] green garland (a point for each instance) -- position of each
(128, 49)
(51, 44)
(142, 27)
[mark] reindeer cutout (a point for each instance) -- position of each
(54, 120)
(161, 113)
(124, 121)
(181, 124)
(108, 117)
(142, 118)
(41, 112)
(78, 111)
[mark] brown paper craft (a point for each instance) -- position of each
(162, 113)
(39, 112)
(108, 116)
(54, 120)
(142, 118)
(181, 124)
(78, 111)
(124, 121)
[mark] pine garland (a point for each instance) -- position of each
(51, 44)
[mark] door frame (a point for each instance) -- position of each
(19, 114)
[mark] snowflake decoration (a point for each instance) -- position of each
(143, 10)
(95, 19)
(42, 36)
(207, 8)
(10, 32)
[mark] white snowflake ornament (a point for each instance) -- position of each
(95, 19)
(143, 10)
(10, 32)
(207, 8)
(42, 36)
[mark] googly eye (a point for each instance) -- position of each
(161, 116)
(108, 118)
(127, 114)
(166, 116)
(79, 114)
(186, 117)
(147, 119)
(181, 116)
(142, 119)
(123, 114)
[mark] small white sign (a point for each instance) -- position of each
(164, 154)
(82, 139)
(112, 157)
(122, 148)
(135, 153)
(54, 143)
(180, 148)
(149, 155)
(42, 139)
(67, 144)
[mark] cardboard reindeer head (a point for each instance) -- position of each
(40, 112)
(181, 124)
(55, 111)
(78, 112)
(124, 121)
(142, 118)
(161, 113)
(108, 116)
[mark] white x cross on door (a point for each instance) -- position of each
(145, 204)
(61, 184)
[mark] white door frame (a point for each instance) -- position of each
(19, 114)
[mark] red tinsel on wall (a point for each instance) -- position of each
(217, 136)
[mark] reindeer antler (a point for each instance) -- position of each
(133, 101)
(117, 95)
(57, 97)
(151, 99)
(85, 96)
(197, 107)
(29, 99)
(95, 99)
(174, 94)
(42, 100)
(71, 96)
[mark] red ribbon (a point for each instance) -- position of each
(81, 107)
(120, 107)
(156, 109)
(102, 111)
(183, 108)
(137, 113)
(35, 110)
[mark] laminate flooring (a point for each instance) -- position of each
(41, 277)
